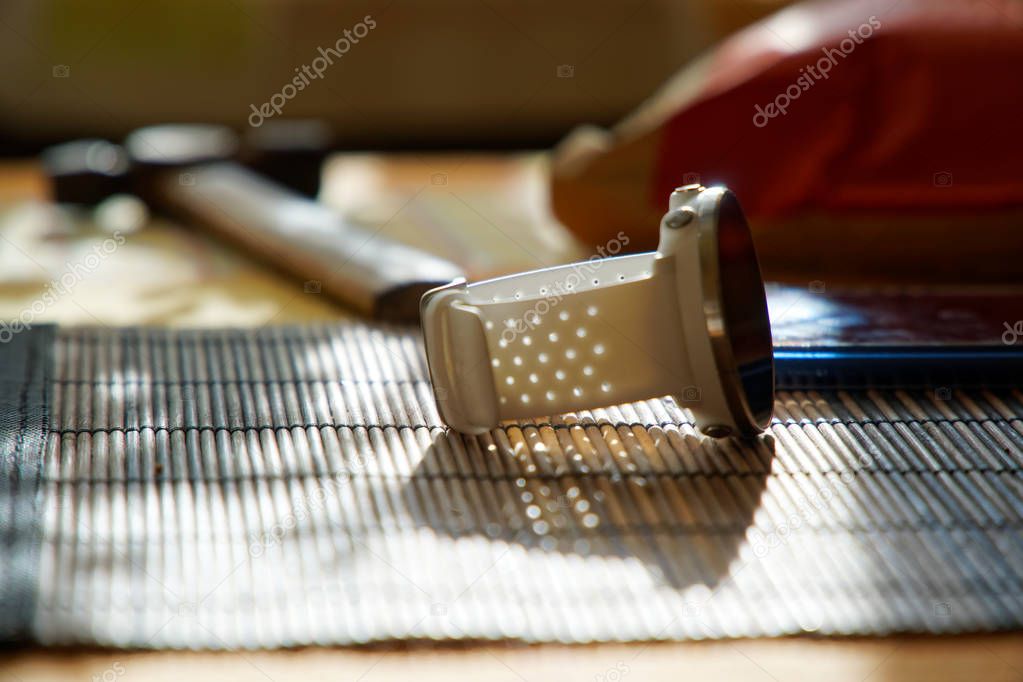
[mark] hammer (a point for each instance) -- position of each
(190, 172)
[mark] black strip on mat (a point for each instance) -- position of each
(25, 369)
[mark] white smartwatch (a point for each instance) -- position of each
(688, 320)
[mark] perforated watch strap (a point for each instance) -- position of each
(597, 345)
(542, 343)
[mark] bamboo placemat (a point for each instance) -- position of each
(294, 485)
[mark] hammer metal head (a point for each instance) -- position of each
(86, 171)
(180, 144)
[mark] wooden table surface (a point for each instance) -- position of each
(989, 658)
(484, 206)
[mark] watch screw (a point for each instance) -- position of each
(716, 431)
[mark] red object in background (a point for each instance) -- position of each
(920, 109)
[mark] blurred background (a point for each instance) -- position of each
(567, 123)
(427, 123)
(429, 75)
(874, 146)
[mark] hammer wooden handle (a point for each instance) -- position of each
(373, 274)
